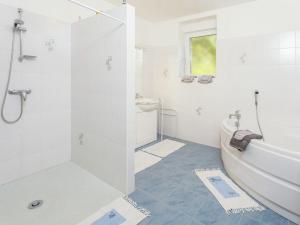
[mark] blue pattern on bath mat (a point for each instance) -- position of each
(110, 218)
(222, 187)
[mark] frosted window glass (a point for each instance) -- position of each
(203, 54)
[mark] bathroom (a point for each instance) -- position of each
(106, 120)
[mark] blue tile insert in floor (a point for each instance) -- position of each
(110, 218)
(222, 187)
(174, 195)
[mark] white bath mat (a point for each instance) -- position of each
(229, 195)
(144, 160)
(122, 211)
(164, 148)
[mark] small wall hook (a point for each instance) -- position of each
(108, 62)
(50, 44)
(198, 110)
(166, 73)
(81, 139)
(243, 58)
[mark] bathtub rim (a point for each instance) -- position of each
(267, 203)
(228, 130)
(284, 152)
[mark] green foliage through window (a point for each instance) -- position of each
(203, 55)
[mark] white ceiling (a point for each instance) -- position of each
(59, 9)
(159, 10)
(152, 10)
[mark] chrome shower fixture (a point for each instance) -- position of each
(237, 115)
(19, 22)
(18, 27)
(23, 93)
(256, 94)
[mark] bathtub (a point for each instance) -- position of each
(269, 173)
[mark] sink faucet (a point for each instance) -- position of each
(238, 117)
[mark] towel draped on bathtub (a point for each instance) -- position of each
(241, 139)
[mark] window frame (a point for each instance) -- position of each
(188, 47)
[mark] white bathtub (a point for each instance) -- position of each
(269, 173)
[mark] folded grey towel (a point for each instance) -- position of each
(205, 79)
(241, 139)
(188, 79)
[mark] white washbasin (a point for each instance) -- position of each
(147, 104)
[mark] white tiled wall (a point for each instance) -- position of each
(103, 130)
(42, 138)
(236, 25)
(271, 64)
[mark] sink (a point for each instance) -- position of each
(147, 104)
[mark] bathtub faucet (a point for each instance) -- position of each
(238, 117)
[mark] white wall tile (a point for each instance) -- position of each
(30, 163)
(298, 39)
(9, 149)
(272, 40)
(298, 56)
(9, 170)
(272, 57)
(287, 56)
(42, 137)
(103, 99)
(288, 39)
(267, 67)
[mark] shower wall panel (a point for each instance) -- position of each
(103, 97)
(41, 139)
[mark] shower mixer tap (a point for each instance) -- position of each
(236, 114)
(238, 117)
(20, 29)
(22, 93)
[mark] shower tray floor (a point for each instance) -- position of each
(70, 195)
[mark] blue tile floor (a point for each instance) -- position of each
(176, 196)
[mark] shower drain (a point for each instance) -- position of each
(35, 204)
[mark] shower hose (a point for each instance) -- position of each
(258, 122)
(7, 86)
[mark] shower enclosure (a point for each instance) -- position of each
(72, 152)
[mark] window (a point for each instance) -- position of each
(200, 50)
